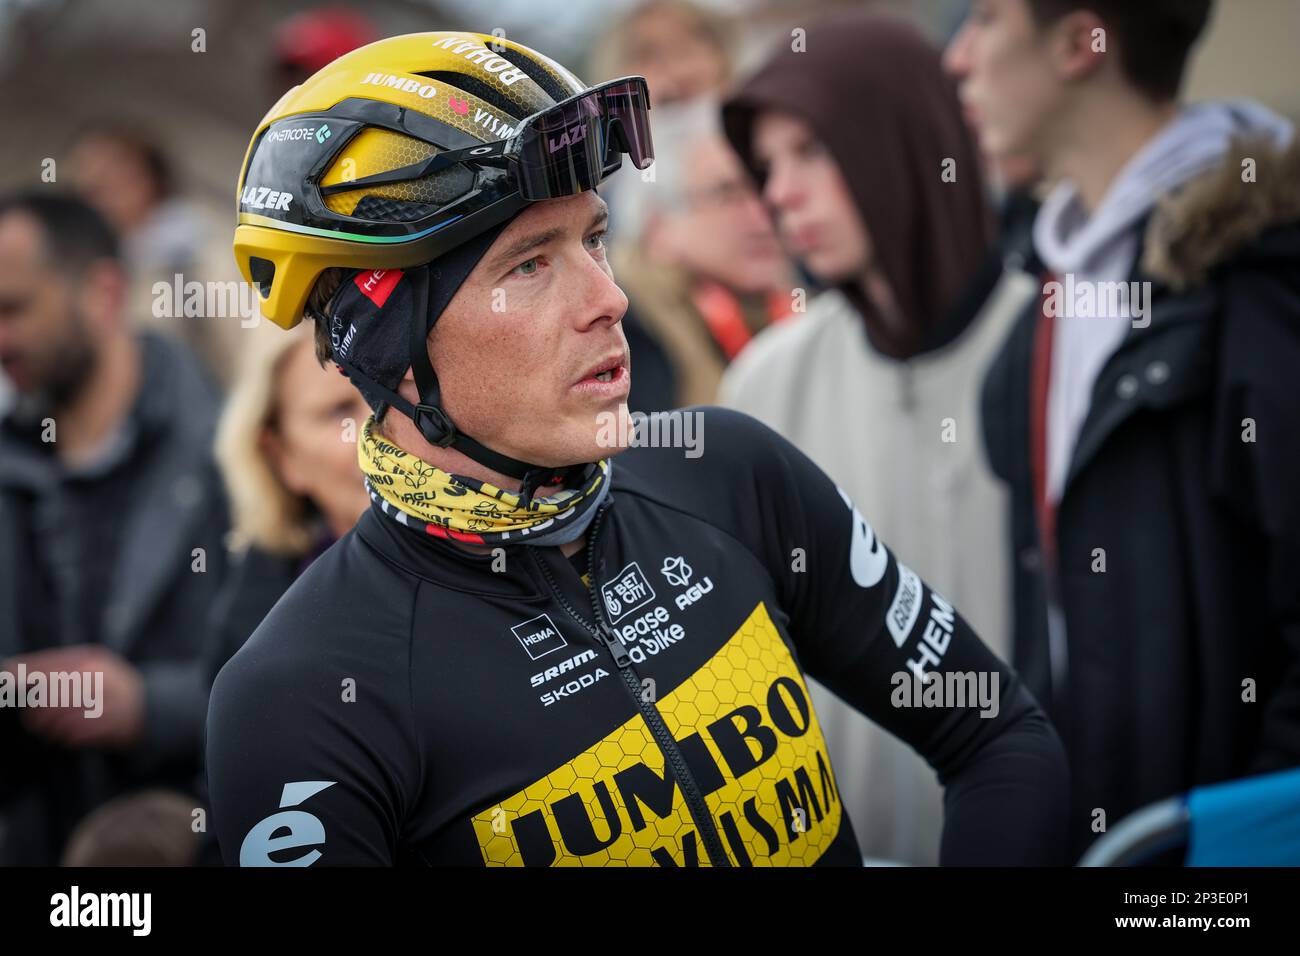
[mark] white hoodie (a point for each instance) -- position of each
(1104, 248)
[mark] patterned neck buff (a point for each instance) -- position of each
(418, 495)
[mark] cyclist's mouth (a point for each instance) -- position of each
(609, 379)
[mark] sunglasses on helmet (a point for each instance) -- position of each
(559, 151)
(575, 144)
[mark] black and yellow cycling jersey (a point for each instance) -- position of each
(407, 702)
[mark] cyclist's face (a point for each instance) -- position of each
(516, 347)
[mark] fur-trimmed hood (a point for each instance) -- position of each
(1223, 213)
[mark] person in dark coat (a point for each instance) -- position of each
(1144, 409)
(111, 524)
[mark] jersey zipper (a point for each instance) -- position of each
(676, 763)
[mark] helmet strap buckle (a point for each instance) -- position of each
(434, 424)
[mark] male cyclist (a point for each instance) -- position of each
(526, 653)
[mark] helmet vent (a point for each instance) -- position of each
(536, 72)
(475, 87)
(263, 273)
(382, 209)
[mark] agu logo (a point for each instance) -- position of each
(539, 636)
(677, 571)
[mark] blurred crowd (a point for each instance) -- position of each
(876, 241)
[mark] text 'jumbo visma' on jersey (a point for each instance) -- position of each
(407, 702)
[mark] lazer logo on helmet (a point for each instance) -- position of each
(402, 83)
(263, 197)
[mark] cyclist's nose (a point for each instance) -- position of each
(602, 299)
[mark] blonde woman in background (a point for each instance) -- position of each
(286, 446)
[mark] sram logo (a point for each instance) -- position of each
(305, 829)
(540, 678)
(263, 197)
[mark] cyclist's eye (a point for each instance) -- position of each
(526, 268)
(597, 240)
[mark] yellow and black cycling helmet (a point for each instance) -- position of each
(403, 149)
(394, 157)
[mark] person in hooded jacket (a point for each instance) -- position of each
(883, 202)
(1144, 410)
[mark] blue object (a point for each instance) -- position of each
(1250, 822)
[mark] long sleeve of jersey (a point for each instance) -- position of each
(408, 702)
(871, 630)
(302, 743)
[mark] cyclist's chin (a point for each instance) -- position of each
(590, 434)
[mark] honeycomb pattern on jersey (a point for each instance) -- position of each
(743, 673)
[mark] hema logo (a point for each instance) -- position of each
(539, 636)
(305, 829)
